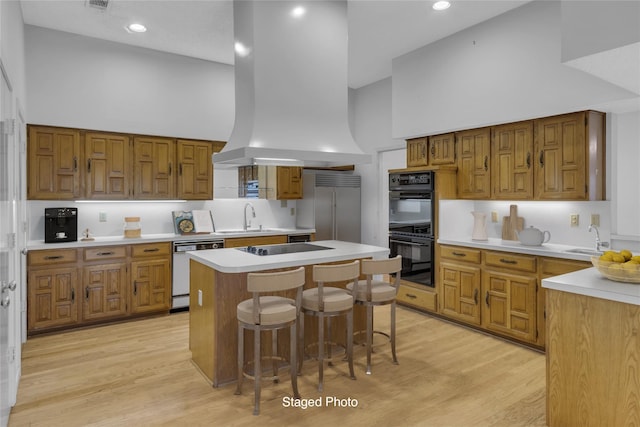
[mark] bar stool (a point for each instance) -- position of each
(328, 302)
(264, 313)
(372, 292)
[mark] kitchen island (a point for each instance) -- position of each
(218, 282)
(593, 350)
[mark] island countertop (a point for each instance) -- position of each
(590, 282)
(233, 260)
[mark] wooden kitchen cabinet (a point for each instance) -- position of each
(274, 182)
(417, 152)
(107, 166)
(442, 149)
(417, 296)
(512, 161)
(153, 168)
(104, 283)
(53, 284)
(195, 168)
(53, 156)
(474, 166)
(150, 277)
(570, 157)
(238, 242)
(460, 283)
(509, 285)
(289, 182)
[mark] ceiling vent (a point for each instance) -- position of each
(97, 4)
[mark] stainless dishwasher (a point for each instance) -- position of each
(180, 280)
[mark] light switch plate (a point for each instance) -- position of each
(595, 220)
(102, 217)
(574, 220)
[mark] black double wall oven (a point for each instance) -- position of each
(411, 215)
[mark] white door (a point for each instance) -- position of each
(9, 260)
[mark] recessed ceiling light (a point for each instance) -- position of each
(298, 11)
(441, 5)
(137, 28)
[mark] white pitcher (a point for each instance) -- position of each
(479, 226)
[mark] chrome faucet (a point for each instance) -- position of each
(247, 224)
(599, 244)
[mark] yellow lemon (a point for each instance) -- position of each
(630, 265)
(609, 253)
(607, 256)
(626, 254)
(618, 258)
(636, 258)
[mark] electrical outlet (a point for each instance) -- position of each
(293, 211)
(494, 216)
(595, 220)
(574, 220)
(102, 216)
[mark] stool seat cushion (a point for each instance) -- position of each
(335, 299)
(380, 291)
(274, 310)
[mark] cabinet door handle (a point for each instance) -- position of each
(53, 257)
(151, 250)
(458, 254)
(508, 261)
(89, 165)
(104, 253)
(433, 150)
(73, 295)
(135, 287)
(529, 160)
(475, 296)
(541, 159)
(75, 164)
(486, 163)
(86, 293)
(486, 298)
(180, 169)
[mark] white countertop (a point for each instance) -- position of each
(591, 283)
(166, 237)
(233, 260)
(547, 249)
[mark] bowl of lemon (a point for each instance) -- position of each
(620, 266)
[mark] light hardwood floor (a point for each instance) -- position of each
(140, 374)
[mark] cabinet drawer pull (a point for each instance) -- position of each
(104, 253)
(458, 253)
(486, 298)
(508, 261)
(411, 296)
(475, 296)
(53, 257)
(151, 250)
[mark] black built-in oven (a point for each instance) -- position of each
(411, 214)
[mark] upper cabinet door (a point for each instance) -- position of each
(442, 149)
(417, 152)
(153, 168)
(54, 157)
(512, 161)
(570, 156)
(289, 182)
(108, 168)
(195, 170)
(474, 174)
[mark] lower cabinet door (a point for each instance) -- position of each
(104, 292)
(460, 292)
(509, 304)
(150, 285)
(52, 298)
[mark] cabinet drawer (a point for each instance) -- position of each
(417, 297)
(460, 254)
(58, 256)
(555, 266)
(510, 260)
(151, 249)
(107, 252)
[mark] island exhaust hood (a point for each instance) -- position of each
(291, 86)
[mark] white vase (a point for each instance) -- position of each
(479, 226)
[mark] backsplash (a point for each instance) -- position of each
(155, 217)
(456, 220)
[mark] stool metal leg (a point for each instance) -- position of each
(320, 350)
(274, 352)
(369, 336)
(240, 359)
(350, 342)
(300, 343)
(293, 351)
(257, 373)
(393, 332)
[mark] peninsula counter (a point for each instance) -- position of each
(218, 282)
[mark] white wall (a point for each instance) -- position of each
(625, 175)
(88, 83)
(503, 70)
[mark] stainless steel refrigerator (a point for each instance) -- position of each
(331, 205)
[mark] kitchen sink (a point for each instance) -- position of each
(584, 251)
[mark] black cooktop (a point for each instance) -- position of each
(286, 248)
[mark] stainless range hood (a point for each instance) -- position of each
(291, 86)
